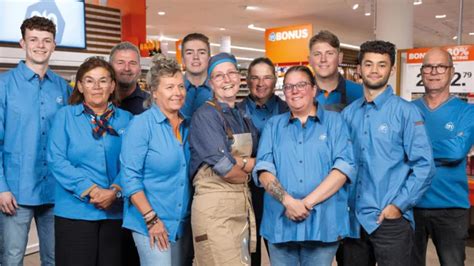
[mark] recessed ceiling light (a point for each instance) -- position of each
(471, 33)
(251, 8)
(417, 2)
(440, 16)
(367, 14)
(221, 28)
(354, 7)
(252, 27)
(161, 13)
(455, 37)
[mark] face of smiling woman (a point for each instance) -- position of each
(170, 94)
(225, 82)
(96, 86)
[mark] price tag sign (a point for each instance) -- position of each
(463, 60)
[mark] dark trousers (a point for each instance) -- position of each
(88, 243)
(257, 202)
(129, 250)
(448, 229)
(389, 245)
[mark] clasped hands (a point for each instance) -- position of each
(102, 198)
(295, 209)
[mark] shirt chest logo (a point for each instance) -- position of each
(449, 126)
(59, 100)
(383, 128)
(323, 137)
(121, 131)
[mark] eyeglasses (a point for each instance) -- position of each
(440, 69)
(264, 78)
(300, 86)
(90, 83)
(221, 76)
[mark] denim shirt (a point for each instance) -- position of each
(301, 157)
(195, 97)
(451, 129)
(155, 162)
(27, 107)
(208, 139)
(394, 156)
(78, 161)
(261, 114)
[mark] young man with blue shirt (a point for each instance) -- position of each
(196, 51)
(443, 211)
(395, 164)
(30, 96)
(334, 92)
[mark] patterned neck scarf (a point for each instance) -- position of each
(101, 122)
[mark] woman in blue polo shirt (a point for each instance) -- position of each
(304, 159)
(83, 156)
(154, 161)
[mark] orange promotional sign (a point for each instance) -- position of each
(458, 52)
(288, 44)
(178, 48)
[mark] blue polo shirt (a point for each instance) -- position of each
(27, 107)
(451, 129)
(195, 97)
(394, 156)
(345, 93)
(261, 114)
(78, 161)
(155, 162)
(208, 139)
(301, 157)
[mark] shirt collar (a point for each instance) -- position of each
(341, 83)
(29, 74)
(188, 84)
(381, 99)
(270, 104)
(319, 117)
(79, 109)
(159, 116)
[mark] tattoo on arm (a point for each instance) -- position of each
(276, 190)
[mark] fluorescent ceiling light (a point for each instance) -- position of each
(171, 52)
(252, 27)
(417, 2)
(354, 7)
(455, 37)
(251, 8)
(161, 13)
(244, 58)
(440, 16)
(221, 28)
(367, 8)
(471, 33)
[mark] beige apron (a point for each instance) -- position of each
(222, 216)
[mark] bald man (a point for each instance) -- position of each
(443, 211)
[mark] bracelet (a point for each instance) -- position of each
(149, 216)
(148, 212)
(152, 222)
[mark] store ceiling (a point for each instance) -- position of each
(352, 27)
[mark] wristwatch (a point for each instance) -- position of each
(244, 161)
(118, 193)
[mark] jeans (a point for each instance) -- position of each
(306, 253)
(180, 252)
(448, 229)
(15, 234)
(1, 239)
(389, 245)
(91, 243)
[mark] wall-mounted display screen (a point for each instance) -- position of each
(68, 15)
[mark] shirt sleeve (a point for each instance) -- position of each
(452, 151)
(209, 140)
(67, 175)
(3, 182)
(265, 160)
(420, 157)
(343, 153)
(135, 146)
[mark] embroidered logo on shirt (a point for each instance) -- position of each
(323, 137)
(449, 126)
(383, 128)
(59, 99)
(121, 131)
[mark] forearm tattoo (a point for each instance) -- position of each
(276, 190)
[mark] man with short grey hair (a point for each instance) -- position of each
(125, 59)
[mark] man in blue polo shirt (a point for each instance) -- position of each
(196, 51)
(443, 211)
(395, 161)
(30, 95)
(334, 92)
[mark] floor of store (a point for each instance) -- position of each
(432, 260)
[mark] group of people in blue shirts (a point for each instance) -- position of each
(192, 175)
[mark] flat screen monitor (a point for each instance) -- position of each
(68, 15)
